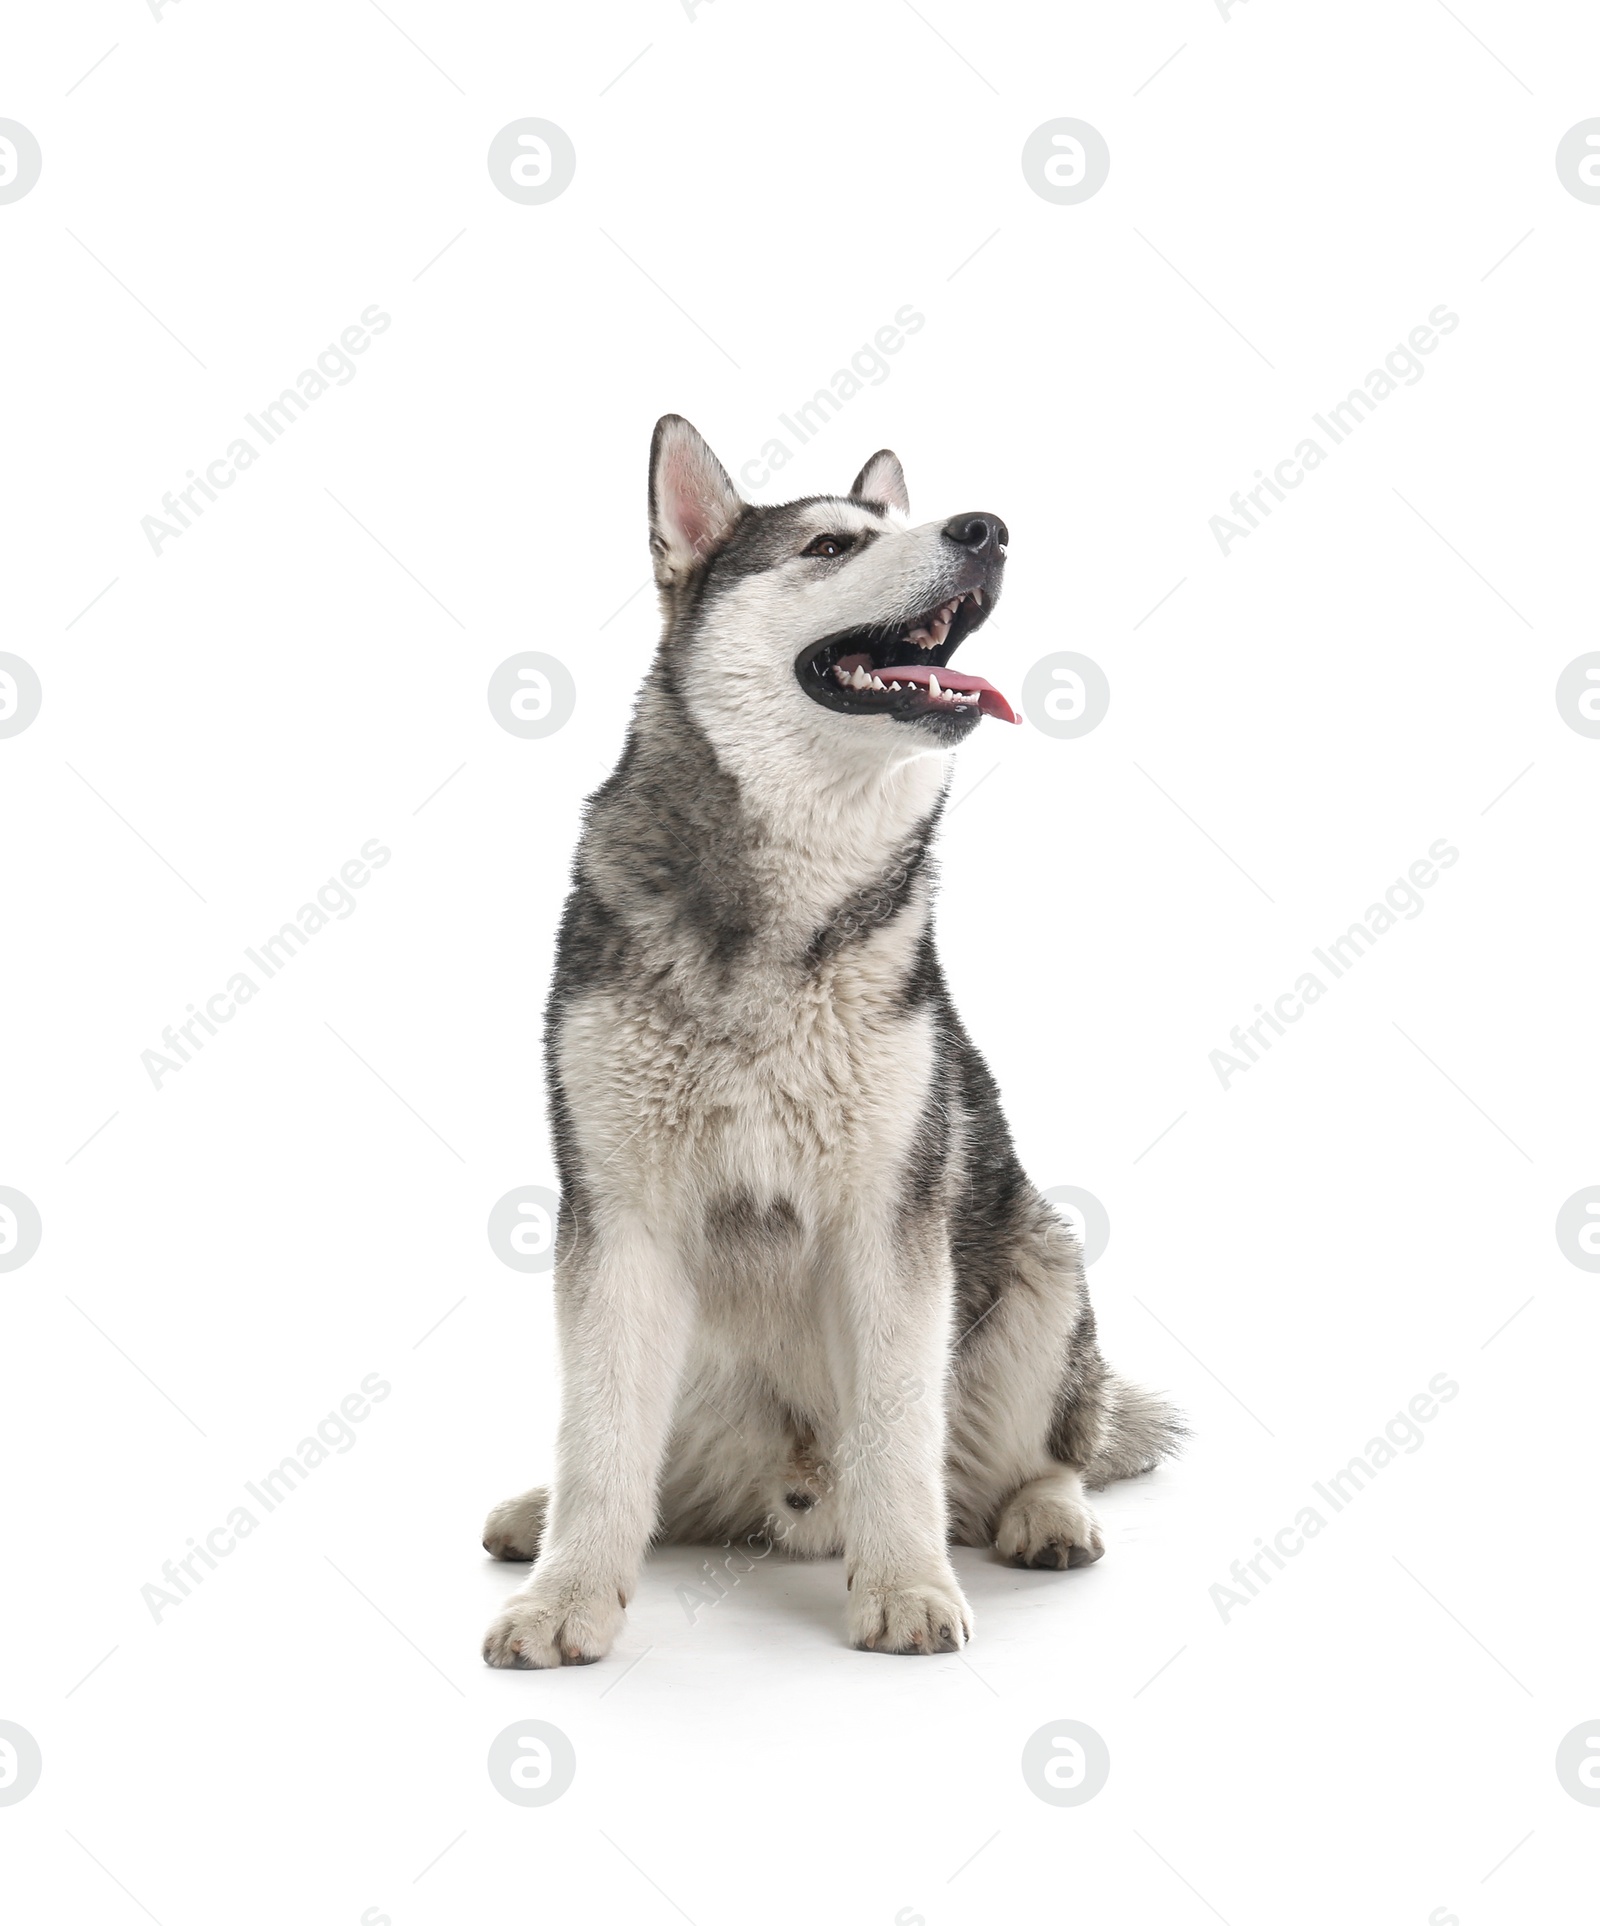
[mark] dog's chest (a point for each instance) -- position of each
(792, 1084)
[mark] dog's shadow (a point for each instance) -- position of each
(751, 1600)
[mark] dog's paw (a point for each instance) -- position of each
(913, 1619)
(514, 1529)
(546, 1626)
(1048, 1528)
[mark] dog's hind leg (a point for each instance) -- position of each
(1047, 1523)
(515, 1528)
(1104, 1428)
(1037, 1415)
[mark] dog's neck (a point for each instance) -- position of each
(757, 860)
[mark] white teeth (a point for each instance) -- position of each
(860, 679)
(895, 686)
(938, 624)
(876, 683)
(933, 686)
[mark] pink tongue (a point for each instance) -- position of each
(990, 701)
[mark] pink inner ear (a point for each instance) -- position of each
(683, 509)
(693, 504)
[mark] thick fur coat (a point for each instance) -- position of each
(806, 1295)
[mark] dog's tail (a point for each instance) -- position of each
(1142, 1430)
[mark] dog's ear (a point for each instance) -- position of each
(693, 504)
(883, 480)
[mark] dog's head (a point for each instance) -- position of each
(823, 626)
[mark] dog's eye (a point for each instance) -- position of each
(828, 546)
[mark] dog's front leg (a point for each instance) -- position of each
(890, 1301)
(622, 1318)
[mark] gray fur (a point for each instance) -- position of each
(806, 1294)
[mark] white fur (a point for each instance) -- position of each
(797, 1095)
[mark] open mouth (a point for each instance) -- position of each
(904, 671)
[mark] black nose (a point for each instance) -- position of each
(982, 533)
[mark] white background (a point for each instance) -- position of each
(1292, 727)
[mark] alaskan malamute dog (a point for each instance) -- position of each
(807, 1299)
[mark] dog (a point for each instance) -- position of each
(806, 1297)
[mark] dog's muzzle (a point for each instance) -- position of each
(901, 670)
